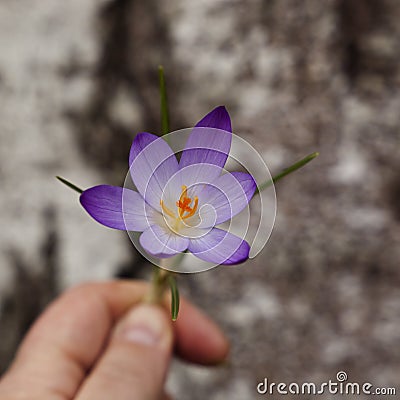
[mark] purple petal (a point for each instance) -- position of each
(209, 141)
(220, 247)
(217, 118)
(152, 163)
(228, 195)
(194, 175)
(162, 242)
(117, 208)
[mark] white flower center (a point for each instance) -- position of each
(186, 208)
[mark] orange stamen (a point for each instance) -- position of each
(184, 203)
(167, 210)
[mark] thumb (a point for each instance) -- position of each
(135, 361)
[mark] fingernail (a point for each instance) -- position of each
(145, 325)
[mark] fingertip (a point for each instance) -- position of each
(135, 362)
(146, 325)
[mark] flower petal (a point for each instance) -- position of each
(161, 242)
(151, 164)
(220, 247)
(228, 195)
(217, 118)
(117, 208)
(209, 141)
(193, 177)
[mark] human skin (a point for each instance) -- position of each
(99, 341)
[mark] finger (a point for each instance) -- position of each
(70, 335)
(135, 362)
(198, 338)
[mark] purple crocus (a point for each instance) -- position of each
(179, 204)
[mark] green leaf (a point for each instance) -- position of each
(174, 297)
(69, 184)
(288, 170)
(164, 102)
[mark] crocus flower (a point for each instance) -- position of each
(179, 204)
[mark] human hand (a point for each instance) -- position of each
(98, 342)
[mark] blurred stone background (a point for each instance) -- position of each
(78, 80)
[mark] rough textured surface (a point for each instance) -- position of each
(78, 80)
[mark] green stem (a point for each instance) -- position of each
(288, 170)
(161, 277)
(174, 297)
(69, 184)
(163, 102)
(158, 286)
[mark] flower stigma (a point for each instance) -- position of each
(184, 202)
